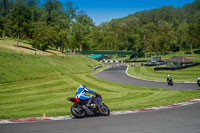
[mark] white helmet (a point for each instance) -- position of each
(82, 86)
(168, 75)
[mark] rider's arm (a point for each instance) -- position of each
(89, 91)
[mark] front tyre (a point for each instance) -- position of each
(77, 111)
(104, 110)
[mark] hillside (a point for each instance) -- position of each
(160, 31)
(17, 66)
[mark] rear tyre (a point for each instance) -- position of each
(104, 110)
(77, 111)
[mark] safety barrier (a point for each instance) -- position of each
(97, 67)
(111, 61)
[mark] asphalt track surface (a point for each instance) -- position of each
(117, 73)
(184, 119)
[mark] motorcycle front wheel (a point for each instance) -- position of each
(104, 110)
(77, 111)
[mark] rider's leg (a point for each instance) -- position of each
(90, 101)
(86, 97)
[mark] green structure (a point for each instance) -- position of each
(108, 52)
(155, 60)
(98, 56)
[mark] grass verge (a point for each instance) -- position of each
(184, 75)
(32, 98)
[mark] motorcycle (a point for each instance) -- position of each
(170, 82)
(198, 82)
(80, 110)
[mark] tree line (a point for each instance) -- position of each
(48, 25)
(65, 27)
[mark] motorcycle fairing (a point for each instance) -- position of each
(73, 99)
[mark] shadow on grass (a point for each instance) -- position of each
(34, 49)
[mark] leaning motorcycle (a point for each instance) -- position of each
(170, 82)
(198, 82)
(79, 109)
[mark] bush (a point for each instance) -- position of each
(197, 51)
(187, 52)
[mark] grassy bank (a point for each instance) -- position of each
(17, 67)
(10, 44)
(33, 84)
(49, 95)
(185, 75)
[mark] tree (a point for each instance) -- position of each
(21, 16)
(2, 27)
(84, 19)
(32, 3)
(70, 11)
(62, 41)
(44, 36)
(4, 7)
(53, 8)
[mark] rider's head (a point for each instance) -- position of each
(168, 76)
(82, 86)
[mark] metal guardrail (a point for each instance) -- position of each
(97, 67)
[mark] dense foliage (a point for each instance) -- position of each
(63, 26)
(51, 24)
(159, 30)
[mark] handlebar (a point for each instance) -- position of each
(98, 95)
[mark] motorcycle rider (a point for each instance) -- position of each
(198, 81)
(169, 79)
(80, 94)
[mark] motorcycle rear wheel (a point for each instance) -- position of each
(77, 111)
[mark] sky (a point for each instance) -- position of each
(106, 10)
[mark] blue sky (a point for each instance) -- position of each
(106, 10)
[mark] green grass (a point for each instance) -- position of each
(184, 75)
(16, 67)
(25, 47)
(49, 95)
(33, 84)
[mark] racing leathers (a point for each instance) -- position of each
(80, 93)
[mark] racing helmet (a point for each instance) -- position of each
(82, 86)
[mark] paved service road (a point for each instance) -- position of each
(118, 74)
(185, 119)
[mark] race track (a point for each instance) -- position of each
(184, 119)
(117, 73)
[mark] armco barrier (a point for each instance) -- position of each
(126, 61)
(97, 67)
